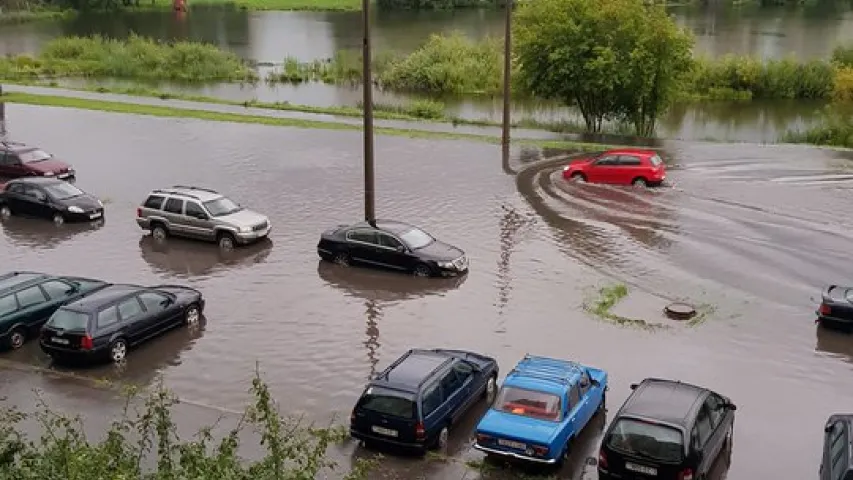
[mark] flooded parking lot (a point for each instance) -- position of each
(751, 232)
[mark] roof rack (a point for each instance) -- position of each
(190, 187)
(559, 371)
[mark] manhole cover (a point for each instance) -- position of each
(679, 311)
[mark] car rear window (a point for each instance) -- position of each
(64, 319)
(648, 440)
(154, 201)
(528, 403)
(388, 402)
(656, 160)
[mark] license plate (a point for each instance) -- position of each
(94, 216)
(385, 431)
(61, 341)
(512, 444)
(640, 468)
(63, 175)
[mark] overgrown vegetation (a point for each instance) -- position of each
(134, 58)
(744, 78)
(607, 298)
(147, 430)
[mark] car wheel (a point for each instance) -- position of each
(5, 212)
(567, 452)
(578, 177)
(192, 316)
(443, 438)
(118, 351)
(58, 219)
(226, 241)
(17, 338)
(640, 183)
(342, 259)
(159, 232)
(422, 270)
(491, 389)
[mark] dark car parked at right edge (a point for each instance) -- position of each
(105, 324)
(667, 430)
(837, 462)
(393, 245)
(416, 400)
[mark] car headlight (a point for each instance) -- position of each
(567, 168)
(245, 229)
(48, 174)
(445, 264)
(75, 209)
(100, 203)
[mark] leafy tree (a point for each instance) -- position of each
(612, 59)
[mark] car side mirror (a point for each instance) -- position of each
(201, 216)
(731, 406)
(166, 302)
(594, 382)
(401, 249)
(634, 386)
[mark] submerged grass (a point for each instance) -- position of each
(607, 298)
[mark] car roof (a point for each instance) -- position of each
(412, 369)
(391, 226)
(197, 193)
(105, 296)
(36, 180)
(668, 401)
(544, 374)
(631, 151)
(14, 280)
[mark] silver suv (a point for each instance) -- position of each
(200, 213)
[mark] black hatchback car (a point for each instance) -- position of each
(837, 462)
(666, 430)
(394, 245)
(105, 324)
(49, 198)
(416, 400)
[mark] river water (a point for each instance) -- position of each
(808, 32)
(749, 232)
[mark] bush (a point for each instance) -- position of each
(836, 129)
(432, 4)
(136, 57)
(843, 56)
(744, 77)
(63, 452)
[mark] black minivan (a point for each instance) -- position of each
(667, 430)
(837, 463)
(414, 402)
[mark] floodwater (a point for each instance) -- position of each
(749, 232)
(269, 37)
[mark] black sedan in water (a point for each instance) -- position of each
(49, 198)
(107, 323)
(394, 245)
(836, 307)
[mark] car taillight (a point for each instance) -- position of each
(86, 343)
(824, 309)
(483, 439)
(540, 451)
(602, 459)
(138, 212)
(686, 474)
(420, 433)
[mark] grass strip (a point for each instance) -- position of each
(608, 297)
(200, 114)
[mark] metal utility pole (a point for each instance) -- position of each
(367, 82)
(507, 80)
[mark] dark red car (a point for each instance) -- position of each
(19, 160)
(621, 167)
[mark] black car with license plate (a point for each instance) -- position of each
(416, 400)
(393, 245)
(106, 324)
(667, 430)
(836, 307)
(28, 299)
(48, 198)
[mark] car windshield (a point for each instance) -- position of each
(221, 206)
(656, 160)
(648, 440)
(388, 402)
(31, 156)
(64, 319)
(63, 190)
(528, 403)
(416, 238)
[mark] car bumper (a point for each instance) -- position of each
(452, 272)
(517, 456)
(92, 216)
(143, 223)
(56, 351)
(833, 320)
(366, 437)
(254, 236)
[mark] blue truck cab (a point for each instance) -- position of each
(542, 406)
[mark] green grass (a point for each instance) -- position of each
(258, 5)
(173, 112)
(607, 298)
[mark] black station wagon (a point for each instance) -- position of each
(666, 430)
(28, 299)
(105, 324)
(837, 463)
(414, 402)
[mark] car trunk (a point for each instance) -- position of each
(836, 303)
(67, 330)
(387, 414)
(636, 449)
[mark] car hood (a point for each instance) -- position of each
(243, 218)
(86, 202)
(47, 166)
(521, 428)
(440, 251)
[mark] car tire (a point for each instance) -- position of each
(192, 316)
(5, 212)
(566, 453)
(602, 407)
(578, 177)
(491, 390)
(16, 338)
(226, 241)
(640, 182)
(422, 270)
(342, 259)
(159, 232)
(118, 351)
(58, 219)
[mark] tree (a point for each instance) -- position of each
(612, 59)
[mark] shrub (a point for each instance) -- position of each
(843, 56)
(835, 129)
(432, 4)
(426, 109)
(292, 451)
(744, 77)
(843, 87)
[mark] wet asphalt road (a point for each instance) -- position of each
(751, 232)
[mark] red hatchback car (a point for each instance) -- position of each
(621, 167)
(19, 160)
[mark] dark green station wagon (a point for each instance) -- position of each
(28, 299)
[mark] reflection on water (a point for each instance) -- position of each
(43, 234)
(187, 258)
(384, 287)
(836, 342)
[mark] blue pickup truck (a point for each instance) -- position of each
(542, 406)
